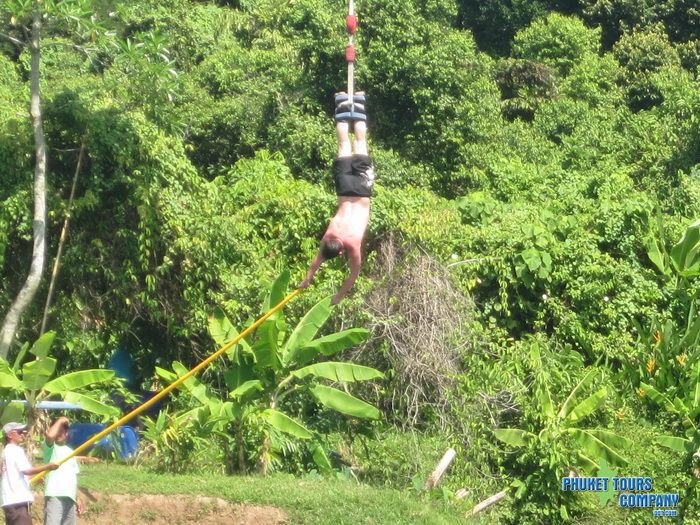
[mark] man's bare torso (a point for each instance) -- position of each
(350, 221)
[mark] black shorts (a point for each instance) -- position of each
(353, 176)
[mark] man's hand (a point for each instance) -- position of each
(52, 466)
(79, 507)
(337, 298)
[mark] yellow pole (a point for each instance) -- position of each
(176, 383)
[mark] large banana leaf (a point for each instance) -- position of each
(545, 400)
(12, 411)
(587, 406)
(35, 374)
(8, 379)
(167, 375)
(657, 254)
(194, 386)
(222, 331)
(265, 348)
(321, 459)
(335, 371)
(611, 439)
(254, 385)
(675, 443)
(588, 464)
(220, 328)
(334, 343)
(307, 329)
(569, 403)
(237, 375)
(277, 292)
(42, 345)
(91, 405)
(284, 423)
(330, 344)
(685, 255)
(514, 437)
(659, 398)
(76, 380)
(690, 338)
(20, 357)
(344, 403)
(596, 448)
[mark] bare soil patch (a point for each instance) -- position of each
(155, 509)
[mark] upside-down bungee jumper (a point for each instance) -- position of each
(353, 174)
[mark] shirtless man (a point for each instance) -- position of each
(353, 173)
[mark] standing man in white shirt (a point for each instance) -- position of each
(17, 497)
(61, 504)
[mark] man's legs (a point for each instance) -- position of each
(18, 514)
(353, 170)
(362, 165)
(59, 511)
(342, 130)
(359, 144)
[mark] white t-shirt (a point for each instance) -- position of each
(15, 485)
(62, 482)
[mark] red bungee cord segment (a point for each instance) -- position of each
(351, 22)
(350, 53)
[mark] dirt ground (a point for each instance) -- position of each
(123, 509)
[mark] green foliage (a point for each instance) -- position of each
(618, 17)
(557, 41)
(33, 381)
(265, 370)
(641, 53)
(525, 86)
(496, 22)
(555, 442)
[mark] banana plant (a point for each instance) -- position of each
(687, 409)
(277, 362)
(558, 443)
(33, 381)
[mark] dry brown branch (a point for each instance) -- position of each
(421, 329)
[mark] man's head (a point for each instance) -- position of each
(62, 434)
(14, 432)
(331, 247)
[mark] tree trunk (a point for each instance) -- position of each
(31, 285)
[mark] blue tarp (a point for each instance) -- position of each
(124, 440)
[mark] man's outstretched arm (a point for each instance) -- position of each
(315, 264)
(355, 262)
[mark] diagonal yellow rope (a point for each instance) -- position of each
(176, 383)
